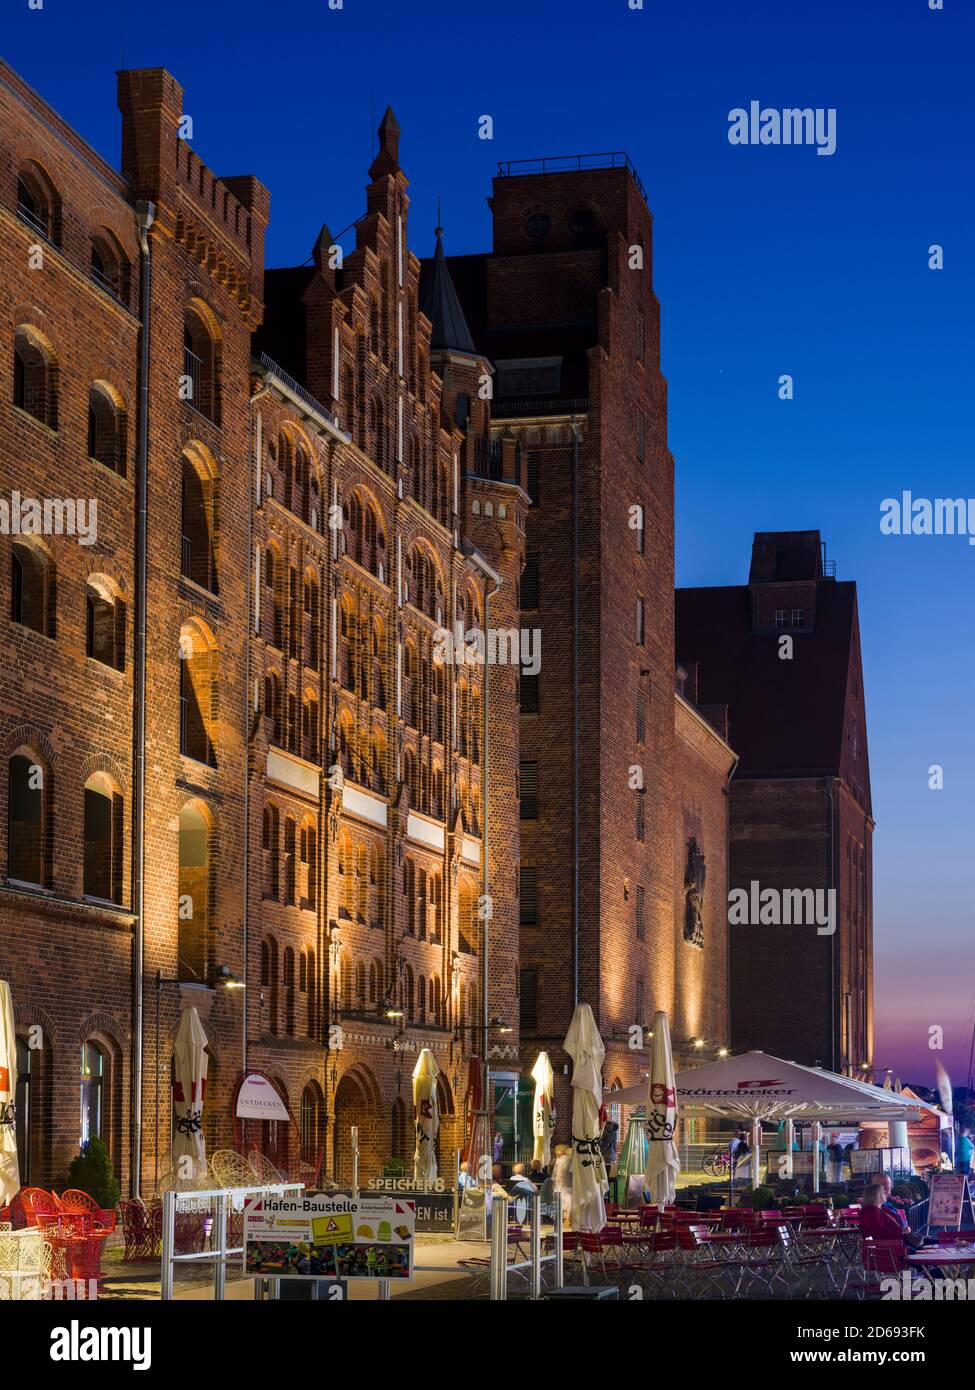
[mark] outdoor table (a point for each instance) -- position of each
(941, 1255)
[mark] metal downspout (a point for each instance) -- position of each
(576, 786)
(145, 213)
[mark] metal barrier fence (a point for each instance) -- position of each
(501, 1268)
(219, 1200)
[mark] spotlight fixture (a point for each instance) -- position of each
(697, 1042)
(394, 1013)
(223, 975)
(722, 1052)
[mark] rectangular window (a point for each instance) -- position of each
(528, 689)
(780, 617)
(641, 531)
(529, 588)
(639, 817)
(641, 717)
(640, 913)
(798, 617)
(528, 786)
(532, 476)
(528, 1000)
(641, 436)
(640, 1003)
(528, 895)
(640, 626)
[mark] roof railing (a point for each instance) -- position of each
(570, 163)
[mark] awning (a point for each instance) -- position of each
(758, 1086)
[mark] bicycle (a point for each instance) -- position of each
(716, 1165)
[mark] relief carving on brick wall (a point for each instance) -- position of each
(694, 875)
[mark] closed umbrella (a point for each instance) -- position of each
(543, 1112)
(663, 1163)
(9, 1168)
(189, 1085)
(589, 1182)
(426, 1112)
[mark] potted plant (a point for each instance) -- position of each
(91, 1171)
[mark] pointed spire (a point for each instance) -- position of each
(387, 160)
(319, 252)
(441, 304)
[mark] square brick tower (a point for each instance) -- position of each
(783, 653)
(564, 308)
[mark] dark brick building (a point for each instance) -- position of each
(783, 654)
(564, 308)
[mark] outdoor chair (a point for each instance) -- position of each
(24, 1265)
(36, 1201)
(231, 1169)
(139, 1231)
(963, 1237)
(103, 1218)
(263, 1169)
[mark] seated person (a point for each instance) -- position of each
(520, 1184)
(886, 1185)
(875, 1220)
(538, 1172)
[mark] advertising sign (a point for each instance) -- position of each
(947, 1196)
(258, 1100)
(433, 1200)
(472, 1215)
(329, 1237)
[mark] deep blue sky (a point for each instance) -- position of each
(767, 260)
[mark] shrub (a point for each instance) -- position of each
(91, 1171)
(759, 1199)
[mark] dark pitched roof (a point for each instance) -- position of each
(784, 716)
(440, 302)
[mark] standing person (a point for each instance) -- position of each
(738, 1149)
(562, 1178)
(964, 1151)
(498, 1146)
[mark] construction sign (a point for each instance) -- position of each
(329, 1237)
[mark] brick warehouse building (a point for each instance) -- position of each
(801, 814)
(623, 783)
(319, 791)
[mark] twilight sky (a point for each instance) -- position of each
(767, 261)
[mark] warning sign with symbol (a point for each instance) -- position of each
(329, 1237)
(331, 1228)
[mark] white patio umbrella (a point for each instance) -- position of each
(543, 1112)
(426, 1112)
(189, 1085)
(589, 1182)
(9, 1167)
(663, 1163)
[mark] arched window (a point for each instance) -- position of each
(289, 991)
(198, 521)
(309, 863)
(107, 427)
(309, 727)
(36, 376)
(310, 620)
(421, 998)
(290, 866)
(38, 204)
(197, 692)
(193, 946)
(444, 509)
(349, 400)
(200, 386)
(270, 845)
(421, 904)
(104, 840)
(362, 877)
(409, 893)
(377, 885)
(436, 899)
(408, 1002)
(409, 774)
(380, 442)
(28, 830)
(109, 267)
(312, 1123)
(270, 980)
(347, 870)
(273, 627)
(104, 624)
(92, 1085)
(465, 910)
(272, 708)
(33, 587)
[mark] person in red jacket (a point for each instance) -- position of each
(874, 1220)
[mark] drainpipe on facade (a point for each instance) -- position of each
(828, 784)
(576, 784)
(491, 578)
(145, 213)
(727, 884)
